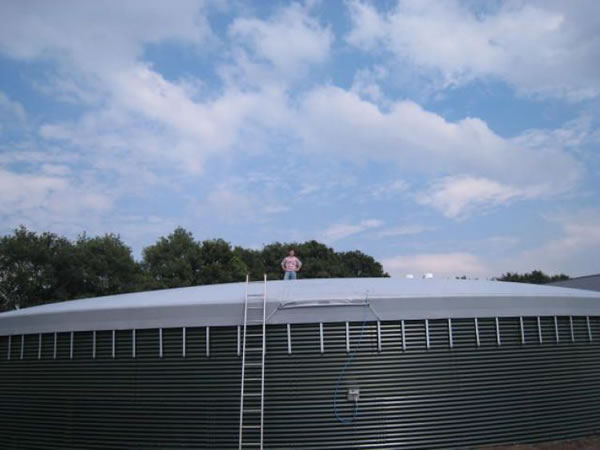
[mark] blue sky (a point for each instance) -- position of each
(445, 137)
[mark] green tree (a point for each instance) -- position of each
(35, 269)
(173, 261)
(253, 260)
(533, 277)
(319, 261)
(106, 266)
(358, 264)
(219, 263)
(178, 260)
(40, 268)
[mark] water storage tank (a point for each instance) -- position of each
(441, 364)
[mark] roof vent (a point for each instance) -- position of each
(428, 276)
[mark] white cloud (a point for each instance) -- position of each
(10, 110)
(139, 130)
(386, 190)
(574, 251)
(234, 200)
(143, 125)
(142, 115)
(290, 41)
(416, 139)
(13, 116)
(55, 169)
(366, 83)
(227, 203)
(549, 48)
(492, 170)
(369, 27)
(152, 122)
(458, 196)
(66, 87)
(308, 189)
(403, 230)
(27, 191)
(27, 195)
(501, 242)
(572, 135)
(198, 129)
(97, 37)
(342, 230)
(442, 265)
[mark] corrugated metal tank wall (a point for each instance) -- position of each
(528, 388)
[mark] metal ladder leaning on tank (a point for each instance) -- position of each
(252, 392)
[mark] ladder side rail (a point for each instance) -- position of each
(264, 348)
(243, 364)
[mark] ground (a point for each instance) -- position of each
(587, 443)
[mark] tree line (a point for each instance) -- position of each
(533, 277)
(38, 268)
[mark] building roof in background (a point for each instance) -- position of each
(588, 282)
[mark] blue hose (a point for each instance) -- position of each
(343, 371)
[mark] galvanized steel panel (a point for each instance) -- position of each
(411, 396)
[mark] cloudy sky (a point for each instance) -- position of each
(453, 137)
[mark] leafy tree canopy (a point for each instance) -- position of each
(38, 268)
(319, 261)
(106, 266)
(533, 277)
(173, 261)
(34, 268)
(179, 260)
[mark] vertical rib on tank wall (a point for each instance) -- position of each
(498, 382)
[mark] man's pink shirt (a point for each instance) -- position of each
(291, 264)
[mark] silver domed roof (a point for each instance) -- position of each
(304, 301)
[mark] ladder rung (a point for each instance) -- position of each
(254, 349)
(251, 426)
(253, 379)
(257, 322)
(251, 394)
(256, 307)
(251, 410)
(251, 364)
(254, 335)
(251, 443)
(255, 295)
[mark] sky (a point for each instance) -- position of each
(450, 137)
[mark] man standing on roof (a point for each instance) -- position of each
(290, 265)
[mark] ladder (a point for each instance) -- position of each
(252, 392)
